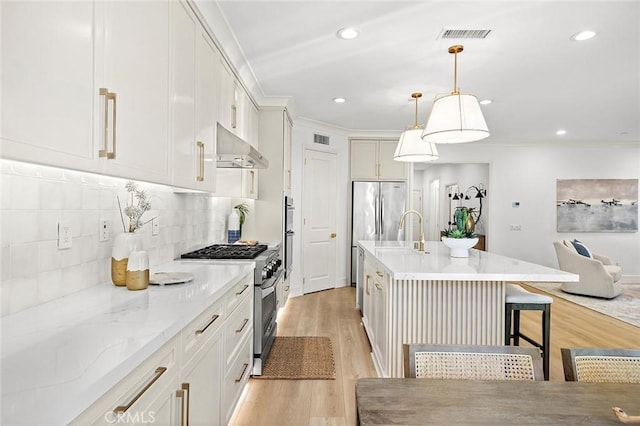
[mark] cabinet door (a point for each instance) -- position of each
(206, 108)
(136, 68)
(286, 157)
(367, 299)
(380, 318)
(203, 377)
(186, 154)
(364, 159)
(192, 101)
(47, 117)
(227, 108)
(388, 167)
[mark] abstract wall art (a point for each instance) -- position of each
(597, 205)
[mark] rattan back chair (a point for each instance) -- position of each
(472, 362)
(601, 365)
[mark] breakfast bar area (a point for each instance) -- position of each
(410, 296)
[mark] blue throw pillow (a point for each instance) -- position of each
(581, 248)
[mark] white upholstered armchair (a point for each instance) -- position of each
(599, 277)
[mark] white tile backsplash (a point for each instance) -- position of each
(36, 198)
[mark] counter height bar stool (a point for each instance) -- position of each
(518, 299)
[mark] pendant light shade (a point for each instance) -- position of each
(455, 118)
(411, 147)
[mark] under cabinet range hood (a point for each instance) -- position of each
(234, 153)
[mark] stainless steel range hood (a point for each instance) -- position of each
(234, 153)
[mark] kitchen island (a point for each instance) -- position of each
(429, 297)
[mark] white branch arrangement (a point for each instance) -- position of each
(137, 205)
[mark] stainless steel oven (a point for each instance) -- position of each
(267, 274)
(288, 235)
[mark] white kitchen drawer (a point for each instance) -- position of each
(200, 330)
(236, 378)
(243, 289)
(139, 390)
(238, 325)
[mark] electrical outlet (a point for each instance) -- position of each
(515, 227)
(64, 234)
(155, 226)
(104, 231)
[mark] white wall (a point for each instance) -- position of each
(35, 198)
(528, 174)
(302, 137)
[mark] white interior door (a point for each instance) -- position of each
(319, 221)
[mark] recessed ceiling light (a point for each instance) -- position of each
(339, 100)
(347, 33)
(561, 132)
(485, 101)
(583, 35)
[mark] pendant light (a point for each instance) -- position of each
(455, 118)
(411, 147)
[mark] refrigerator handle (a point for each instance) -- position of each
(377, 209)
(381, 215)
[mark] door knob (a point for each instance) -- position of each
(333, 235)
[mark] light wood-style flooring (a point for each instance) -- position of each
(332, 313)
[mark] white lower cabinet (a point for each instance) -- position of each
(374, 312)
(196, 378)
(146, 395)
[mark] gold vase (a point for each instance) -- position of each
(137, 277)
(123, 244)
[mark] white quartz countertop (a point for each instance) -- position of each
(60, 357)
(402, 262)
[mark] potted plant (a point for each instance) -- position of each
(243, 211)
(461, 237)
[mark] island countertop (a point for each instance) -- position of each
(402, 262)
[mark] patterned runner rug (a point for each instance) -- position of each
(625, 307)
(304, 357)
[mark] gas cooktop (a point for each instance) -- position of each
(226, 251)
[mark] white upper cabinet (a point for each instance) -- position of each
(48, 91)
(373, 159)
(192, 101)
(227, 104)
(135, 67)
(85, 86)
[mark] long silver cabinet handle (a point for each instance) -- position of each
(244, 323)
(242, 374)
(109, 96)
(211, 321)
(156, 375)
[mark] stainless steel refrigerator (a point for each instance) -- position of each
(376, 209)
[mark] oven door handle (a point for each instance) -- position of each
(268, 291)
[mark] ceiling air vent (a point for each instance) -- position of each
(463, 34)
(321, 139)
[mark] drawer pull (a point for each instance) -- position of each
(378, 286)
(244, 323)
(246, 286)
(156, 375)
(286, 288)
(378, 273)
(244, 369)
(213, 319)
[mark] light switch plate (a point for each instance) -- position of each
(64, 234)
(104, 231)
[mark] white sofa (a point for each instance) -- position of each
(599, 276)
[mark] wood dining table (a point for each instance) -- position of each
(385, 401)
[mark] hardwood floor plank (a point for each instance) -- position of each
(332, 313)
